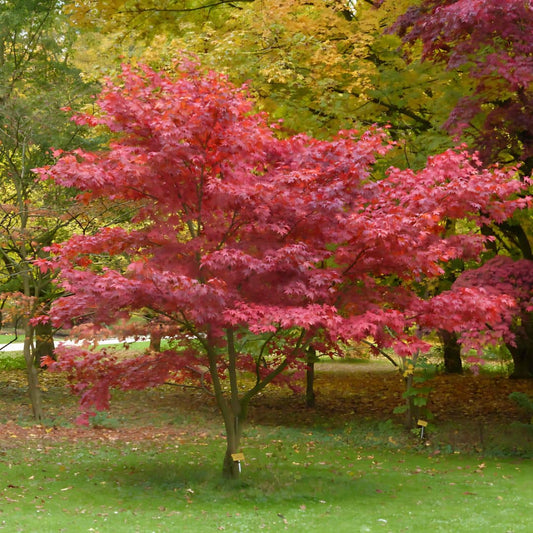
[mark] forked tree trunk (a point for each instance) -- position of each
(234, 406)
(233, 409)
(231, 468)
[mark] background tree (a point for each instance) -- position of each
(36, 80)
(502, 275)
(492, 44)
(319, 66)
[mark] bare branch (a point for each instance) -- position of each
(140, 10)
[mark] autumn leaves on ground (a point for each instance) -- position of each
(468, 412)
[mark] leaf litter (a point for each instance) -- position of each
(465, 404)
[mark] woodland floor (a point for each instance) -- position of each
(469, 412)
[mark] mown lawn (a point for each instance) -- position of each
(293, 480)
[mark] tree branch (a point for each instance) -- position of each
(383, 353)
(140, 10)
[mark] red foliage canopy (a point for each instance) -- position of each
(244, 245)
(504, 276)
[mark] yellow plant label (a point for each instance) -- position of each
(422, 423)
(237, 456)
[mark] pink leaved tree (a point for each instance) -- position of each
(514, 278)
(491, 43)
(245, 249)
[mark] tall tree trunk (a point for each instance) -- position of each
(453, 363)
(310, 397)
(32, 373)
(26, 279)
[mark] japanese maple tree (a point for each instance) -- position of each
(247, 249)
(504, 276)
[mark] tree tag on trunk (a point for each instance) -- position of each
(237, 456)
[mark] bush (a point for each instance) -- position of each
(525, 403)
(12, 361)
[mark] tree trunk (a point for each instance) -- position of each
(410, 408)
(233, 409)
(231, 468)
(310, 397)
(155, 342)
(310, 359)
(32, 373)
(44, 342)
(522, 351)
(453, 363)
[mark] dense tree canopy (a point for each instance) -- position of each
(317, 65)
(246, 246)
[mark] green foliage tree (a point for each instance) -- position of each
(36, 81)
(318, 66)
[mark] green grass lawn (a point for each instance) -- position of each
(12, 360)
(5, 338)
(360, 475)
(293, 480)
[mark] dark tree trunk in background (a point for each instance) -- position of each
(310, 396)
(44, 342)
(522, 351)
(155, 342)
(452, 352)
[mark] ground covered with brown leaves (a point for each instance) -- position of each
(466, 410)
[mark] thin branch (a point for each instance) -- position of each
(384, 354)
(140, 10)
(182, 385)
(424, 123)
(258, 387)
